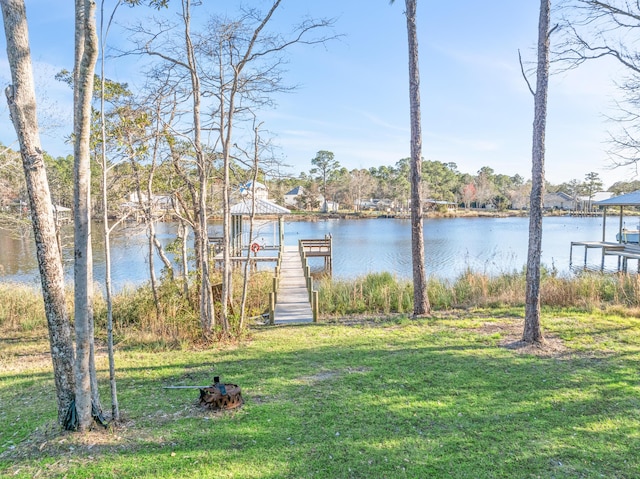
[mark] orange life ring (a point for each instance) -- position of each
(255, 247)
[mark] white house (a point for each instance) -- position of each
(291, 198)
(158, 202)
(261, 191)
(558, 201)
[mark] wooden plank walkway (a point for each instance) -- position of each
(292, 302)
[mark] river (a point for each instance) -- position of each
(452, 245)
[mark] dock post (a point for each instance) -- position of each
(571, 255)
(585, 257)
(275, 289)
(328, 260)
(310, 287)
(314, 306)
(272, 308)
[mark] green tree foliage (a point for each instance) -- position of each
(60, 174)
(12, 182)
(324, 166)
(592, 184)
(442, 180)
(622, 187)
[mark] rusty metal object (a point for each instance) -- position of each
(221, 396)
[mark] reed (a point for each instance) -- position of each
(382, 293)
(136, 319)
(21, 307)
(176, 320)
(374, 293)
(175, 323)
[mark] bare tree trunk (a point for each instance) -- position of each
(201, 240)
(152, 269)
(184, 212)
(226, 115)
(183, 232)
(86, 57)
(162, 255)
(532, 330)
(421, 306)
(149, 186)
(252, 217)
(115, 409)
(228, 241)
(147, 215)
(22, 105)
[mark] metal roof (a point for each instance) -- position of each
(298, 190)
(262, 207)
(628, 199)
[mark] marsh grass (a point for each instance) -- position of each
(136, 319)
(382, 293)
(376, 293)
(21, 307)
(452, 396)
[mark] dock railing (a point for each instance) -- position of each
(273, 295)
(314, 248)
(313, 295)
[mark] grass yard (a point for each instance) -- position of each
(450, 397)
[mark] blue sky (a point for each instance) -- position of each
(353, 93)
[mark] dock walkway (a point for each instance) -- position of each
(624, 252)
(292, 303)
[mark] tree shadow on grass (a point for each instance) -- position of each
(378, 406)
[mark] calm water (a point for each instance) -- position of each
(491, 245)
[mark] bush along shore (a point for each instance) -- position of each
(174, 320)
(366, 392)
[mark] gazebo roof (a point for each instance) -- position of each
(628, 199)
(262, 207)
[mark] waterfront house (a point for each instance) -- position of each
(291, 197)
(247, 189)
(559, 201)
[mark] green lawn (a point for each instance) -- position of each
(447, 398)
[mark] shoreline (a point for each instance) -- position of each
(470, 213)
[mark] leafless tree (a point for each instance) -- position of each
(361, 185)
(107, 229)
(248, 60)
(252, 216)
(86, 55)
(232, 67)
(600, 30)
(22, 105)
(179, 58)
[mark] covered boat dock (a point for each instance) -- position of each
(622, 249)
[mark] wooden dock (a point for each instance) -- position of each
(319, 248)
(292, 301)
(624, 252)
(604, 246)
